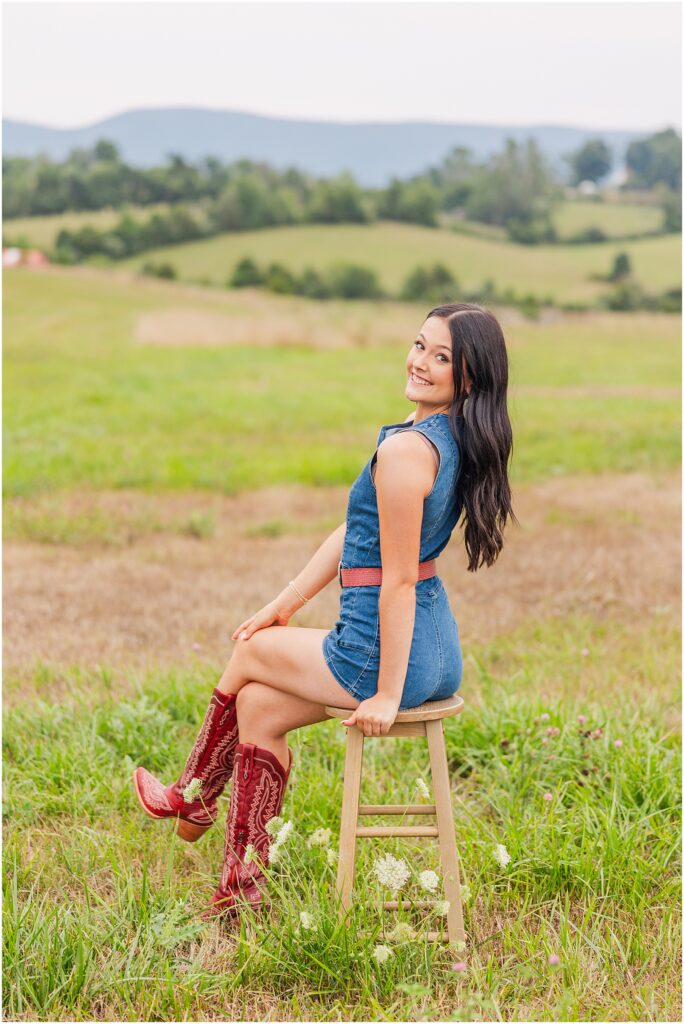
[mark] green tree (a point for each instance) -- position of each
(591, 162)
(655, 159)
(337, 201)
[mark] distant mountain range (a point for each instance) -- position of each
(374, 153)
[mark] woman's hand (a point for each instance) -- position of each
(269, 615)
(375, 716)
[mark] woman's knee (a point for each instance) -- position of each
(255, 699)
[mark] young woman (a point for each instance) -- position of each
(396, 643)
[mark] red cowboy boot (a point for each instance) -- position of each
(259, 782)
(210, 761)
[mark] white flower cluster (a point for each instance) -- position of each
(192, 791)
(382, 953)
(321, 837)
(422, 789)
(502, 855)
(282, 832)
(429, 880)
(392, 872)
(307, 920)
(402, 932)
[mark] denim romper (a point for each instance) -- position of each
(352, 647)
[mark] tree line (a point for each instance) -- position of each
(515, 189)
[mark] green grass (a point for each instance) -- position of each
(393, 250)
(85, 404)
(101, 907)
(614, 219)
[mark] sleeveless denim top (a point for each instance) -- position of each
(441, 507)
(352, 647)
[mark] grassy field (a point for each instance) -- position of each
(614, 219)
(141, 417)
(393, 250)
(85, 401)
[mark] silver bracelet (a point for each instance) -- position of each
(300, 596)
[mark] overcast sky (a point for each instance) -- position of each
(591, 65)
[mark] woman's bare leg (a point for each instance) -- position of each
(267, 715)
(295, 683)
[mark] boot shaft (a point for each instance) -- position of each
(258, 790)
(211, 758)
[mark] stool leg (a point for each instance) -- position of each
(350, 817)
(448, 854)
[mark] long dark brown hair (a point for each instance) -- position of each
(479, 422)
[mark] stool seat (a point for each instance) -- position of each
(424, 720)
(426, 712)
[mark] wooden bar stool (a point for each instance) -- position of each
(423, 720)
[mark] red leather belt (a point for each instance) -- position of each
(371, 575)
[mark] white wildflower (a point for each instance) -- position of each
(392, 872)
(429, 880)
(284, 833)
(402, 932)
(192, 791)
(465, 892)
(332, 857)
(502, 855)
(382, 953)
(422, 788)
(274, 854)
(307, 920)
(274, 826)
(442, 908)
(321, 837)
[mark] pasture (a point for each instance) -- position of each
(161, 441)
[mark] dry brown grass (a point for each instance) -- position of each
(605, 546)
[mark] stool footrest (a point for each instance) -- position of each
(408, 904)
(397, 809)
(378, 831)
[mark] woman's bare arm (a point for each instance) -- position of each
(405, 474)
(316, 574)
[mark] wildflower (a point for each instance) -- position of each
(402, 932)
(429, 880)
(545, 739)
(548, 796)
(307, 920)
(392, 872)
(502, 855)
(553, 730)
(332, 857)
(192, 790)
(274, 826)
(422, 788)
(441, 907)
(581, 719)
(321, 837)
(283, 833)
(459, 966)
(545, 716)
(584, 652)
(249, 853)
(274, 854)
(465, 893)
(617, 743)
(554, 959)
(382, 953)
(197, 647)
